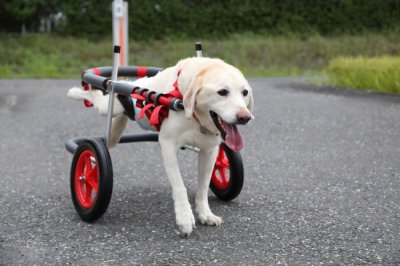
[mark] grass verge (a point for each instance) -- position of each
(379, 73)
(51, 56)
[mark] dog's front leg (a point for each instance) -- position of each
(183, 211)
(206, 164)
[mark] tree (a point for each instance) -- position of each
(87, 17)
(25, 14)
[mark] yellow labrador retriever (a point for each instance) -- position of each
(216, 97)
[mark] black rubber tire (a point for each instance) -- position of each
(105, 180)
(236, 179)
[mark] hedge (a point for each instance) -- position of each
(198, 18)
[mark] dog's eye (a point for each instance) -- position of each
(223, 92)
(245, 92)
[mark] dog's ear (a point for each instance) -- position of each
(189, 99)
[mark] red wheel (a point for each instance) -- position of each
(91, 179)
(86, 179)
(220, 175)
(227, 176)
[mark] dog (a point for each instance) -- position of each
(216, 97)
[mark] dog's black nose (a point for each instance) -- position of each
(243, 117)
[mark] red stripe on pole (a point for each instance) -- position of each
(141, 71)
(121, 41)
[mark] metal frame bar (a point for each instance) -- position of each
(113, 86)
(72, 144)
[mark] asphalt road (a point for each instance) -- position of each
(322, 184)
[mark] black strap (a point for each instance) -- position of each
(127, 103)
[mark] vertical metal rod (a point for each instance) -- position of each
(114, 77)
(199, 51)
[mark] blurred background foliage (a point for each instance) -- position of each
(58, 39)
(203, 18)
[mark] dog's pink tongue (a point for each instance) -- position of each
(233, 138)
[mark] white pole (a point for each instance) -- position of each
(120, 29)
(199, 50)
(114, 76)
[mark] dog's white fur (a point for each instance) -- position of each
(199, 81)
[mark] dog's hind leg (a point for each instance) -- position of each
(206, 163)
(183, 212)
(118, 125)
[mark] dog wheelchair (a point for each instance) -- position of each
(91, 174)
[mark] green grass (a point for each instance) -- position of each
(378, 73)
(51, 56)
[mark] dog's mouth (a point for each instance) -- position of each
(229, 132)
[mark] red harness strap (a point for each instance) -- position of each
(175, 92)
(157, 113)
(87, 87)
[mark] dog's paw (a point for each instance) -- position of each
(210, 219)
(186, 223)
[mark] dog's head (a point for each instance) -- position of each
(220, 98)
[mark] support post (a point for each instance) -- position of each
(120, 29)
(199, 50)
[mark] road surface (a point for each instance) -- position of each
(322, 184)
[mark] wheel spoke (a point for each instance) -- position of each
(92, 185)
(92, 178)
(222, 174)
(221, 154)
(225, 163)
(91, 173)
(214, 175)
(222, 161)
(88, 193)
(88, 166)
(219, 175)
